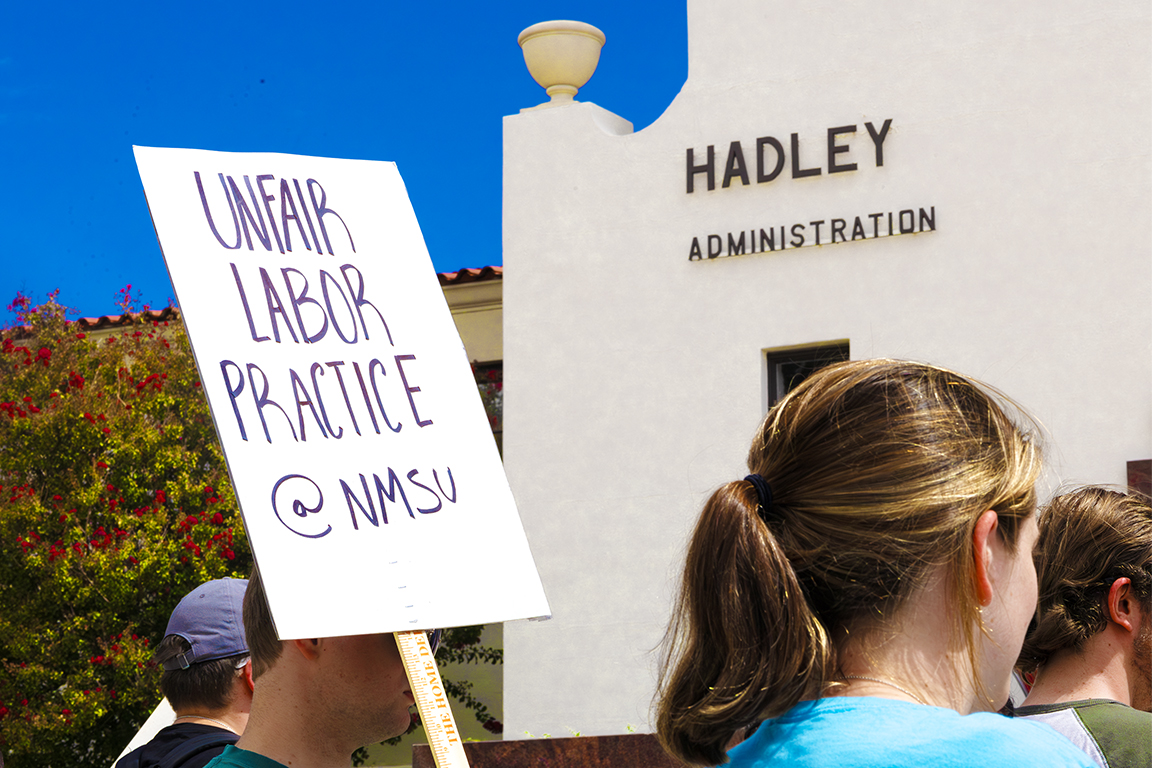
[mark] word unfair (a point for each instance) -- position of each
(294, 211)
(770, 158)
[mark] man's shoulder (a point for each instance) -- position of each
(183, 745)
(234, 757)
(1093, 711)
(1113, 733)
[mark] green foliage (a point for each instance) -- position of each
(114, 503)
(459, 645)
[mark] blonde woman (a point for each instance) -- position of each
(863, 593)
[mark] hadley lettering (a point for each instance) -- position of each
(764, 160)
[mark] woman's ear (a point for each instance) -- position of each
(983, 538)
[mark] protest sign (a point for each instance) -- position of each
(369, 481)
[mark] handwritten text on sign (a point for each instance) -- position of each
(345, 403)
(302, 389)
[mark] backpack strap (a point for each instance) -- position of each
(192, 747)
(130, 760)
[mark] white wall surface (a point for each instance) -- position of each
(634, 377)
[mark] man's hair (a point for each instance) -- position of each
(1089, 538)
(263, 642)
(205, 685)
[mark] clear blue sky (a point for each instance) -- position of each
(421, 84)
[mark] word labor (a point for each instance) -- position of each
(313, 398)
(295, 285)
(266, 232)
(295, 497)
(736, 167)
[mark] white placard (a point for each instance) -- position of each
(370, 484)
(160, 719)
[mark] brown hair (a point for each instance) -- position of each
(259, 628)
(878, 471)
(1088, 538)
(204, 685)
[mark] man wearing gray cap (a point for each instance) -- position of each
(207, 679)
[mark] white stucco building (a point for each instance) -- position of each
(636, 367)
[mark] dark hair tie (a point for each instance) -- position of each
(763, 492)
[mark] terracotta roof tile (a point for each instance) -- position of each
(115, 321)
(471, 275)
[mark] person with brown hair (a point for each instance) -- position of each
(317, 700)
(860, 598)
(207, 679)
(1091, 644)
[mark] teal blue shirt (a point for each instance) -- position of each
(868, 732)
(233, 757)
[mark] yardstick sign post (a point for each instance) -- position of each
(371, 487)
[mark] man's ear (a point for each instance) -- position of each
(1122, 604)
(983, 536)
(309, 648)
(246, 674)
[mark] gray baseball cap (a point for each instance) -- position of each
(211, 619)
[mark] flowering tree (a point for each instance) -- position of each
(114, 503)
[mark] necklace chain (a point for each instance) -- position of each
(888, 683)
(225, 726)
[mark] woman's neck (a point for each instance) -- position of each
(911, 656)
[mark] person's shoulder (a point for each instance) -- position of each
(1112, 711)
(1096, 715)
(184, 745)
(1122, 733)
(234, 757)
(868, 731)
(1025, 741)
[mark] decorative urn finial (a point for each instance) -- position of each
(561, 57)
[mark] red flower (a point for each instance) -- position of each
(81, 335)
(161, 497)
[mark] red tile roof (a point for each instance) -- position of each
(470, 275)
(128, 318)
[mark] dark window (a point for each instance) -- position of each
(787, 368)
